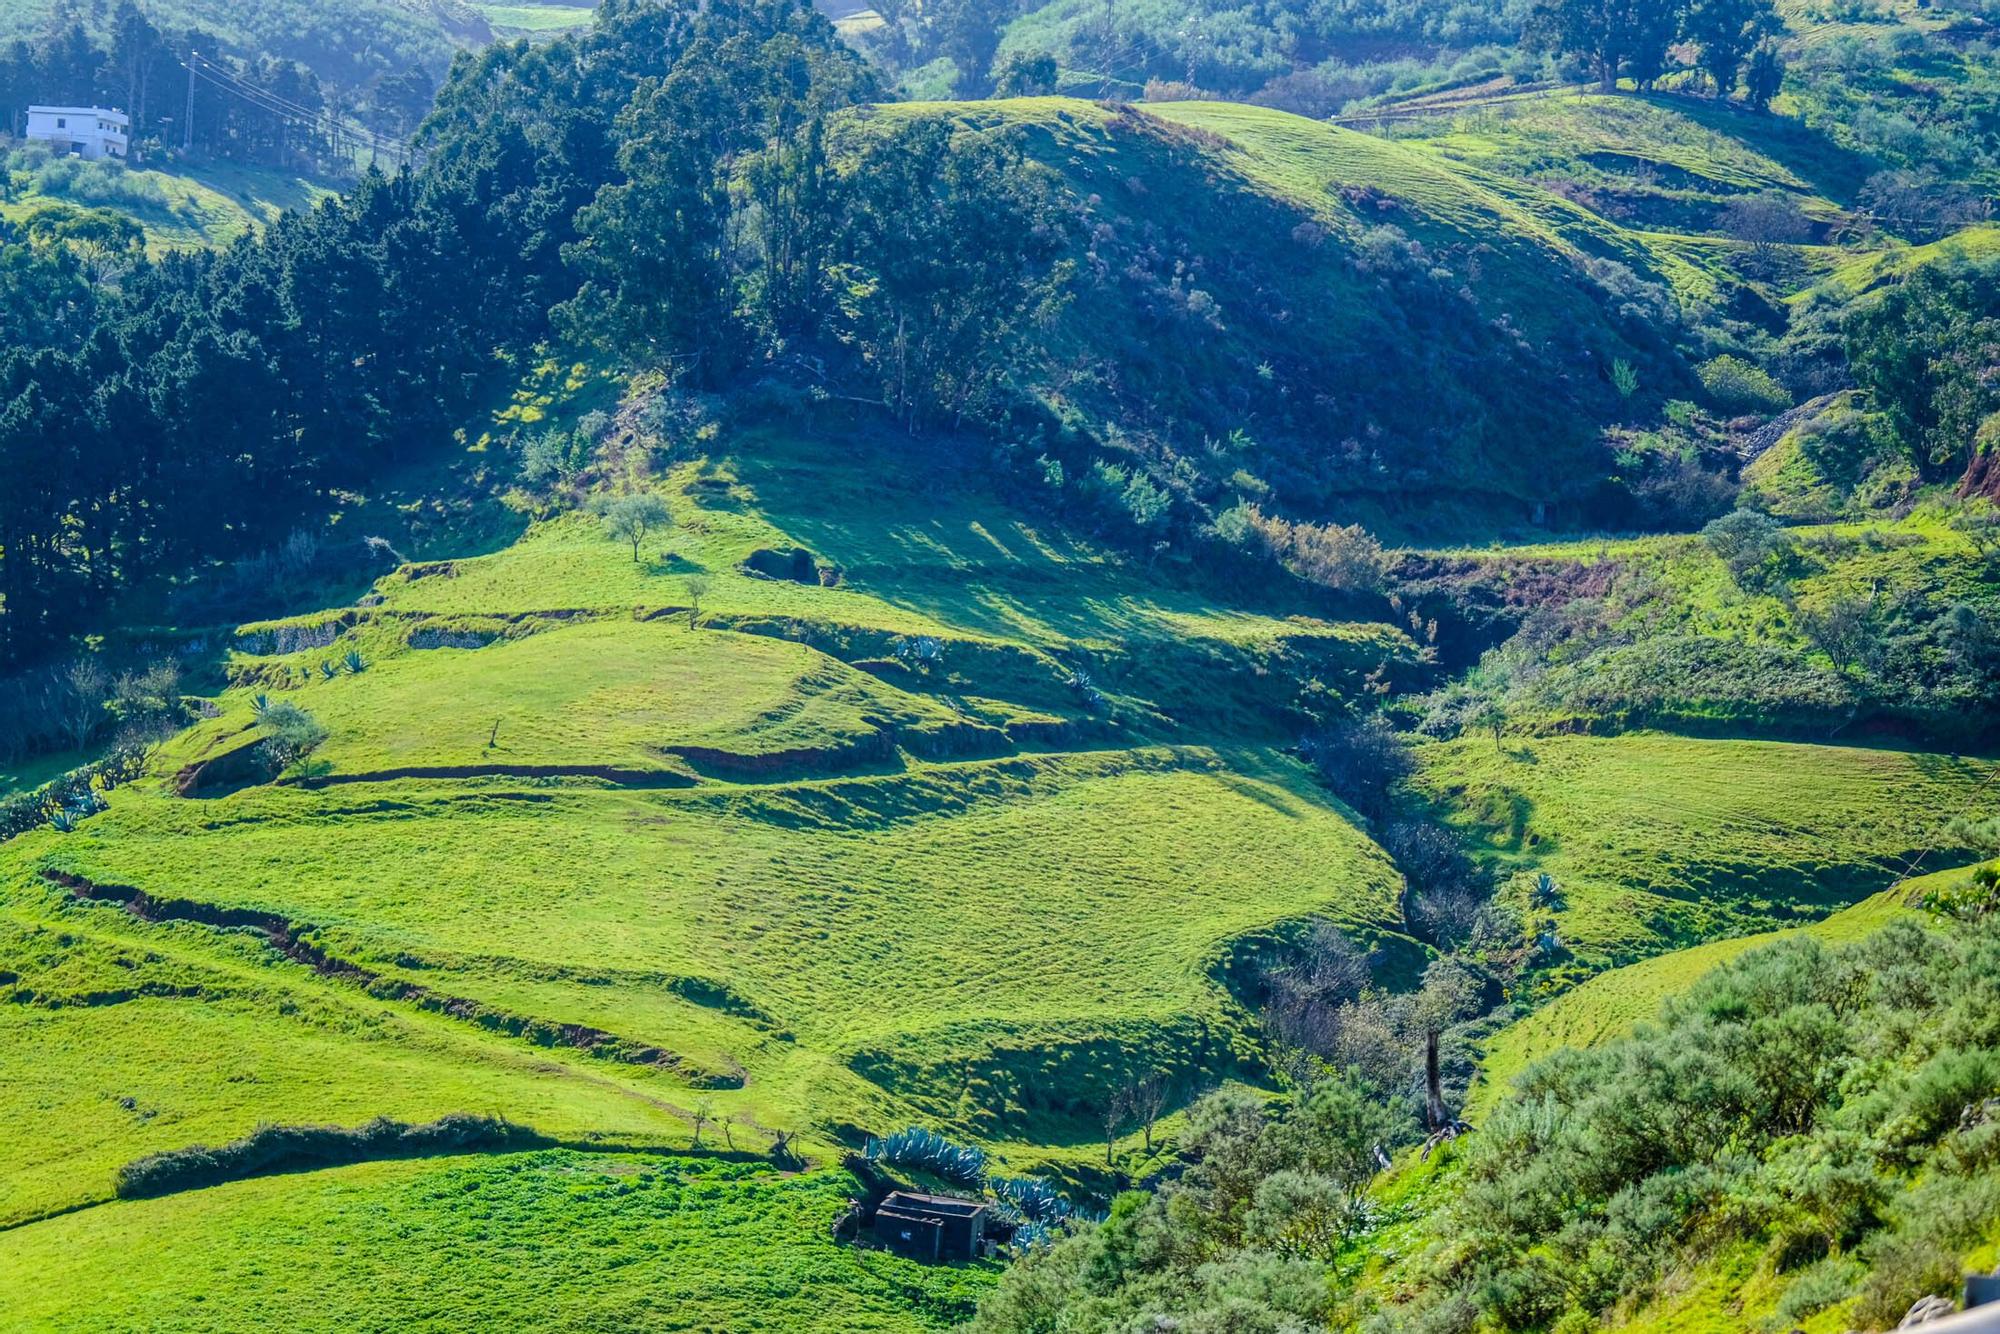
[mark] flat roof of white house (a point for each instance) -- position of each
(106, 112)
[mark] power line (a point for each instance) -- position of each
(321, 121)
(324, 121)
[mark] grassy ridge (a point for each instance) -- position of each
(1292, 243)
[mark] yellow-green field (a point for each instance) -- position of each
(455, 1243)
(1657, 842)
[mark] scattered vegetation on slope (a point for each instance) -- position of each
(1821, 1116)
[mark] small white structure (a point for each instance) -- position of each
(88, 132)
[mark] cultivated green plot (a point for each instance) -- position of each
(949, 909)
(1657, 841)
(554, 1240)
(613, 695)
(124, 1039)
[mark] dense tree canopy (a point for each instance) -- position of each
(158, 416)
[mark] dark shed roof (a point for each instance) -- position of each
(909, 1201)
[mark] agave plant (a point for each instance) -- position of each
(65, 818)
(1037, 1200)
(327, 671)
(921, 653)
(259, 703)
(928, 1151)
(354, 662)
(1086, 689)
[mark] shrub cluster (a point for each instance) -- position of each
(74, 796)
(1833, 1108)
(271, 1148)
(924, 1150)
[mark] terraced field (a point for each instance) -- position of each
(577, 854)
(1657, 842)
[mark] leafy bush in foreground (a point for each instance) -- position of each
(1819, 1106)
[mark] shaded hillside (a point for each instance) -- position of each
(1263, 309)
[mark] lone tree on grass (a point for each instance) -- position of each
(290, 734)
(1489, 715)
(630, 518)
(698, 586)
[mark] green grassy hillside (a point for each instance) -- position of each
(566, 858)
(200, 205)
(1657, 842)
(1292, 243)
(783, 615)
(675, 1244)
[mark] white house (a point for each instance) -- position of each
(91, 132)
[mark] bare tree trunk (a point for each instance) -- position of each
(1435, 1116)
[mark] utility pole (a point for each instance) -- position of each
(187, 126)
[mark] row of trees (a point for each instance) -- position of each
(1635, 39)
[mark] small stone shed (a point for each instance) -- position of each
(931, 1228)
